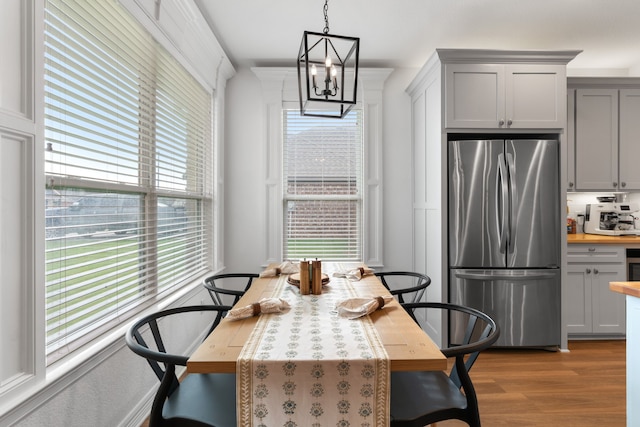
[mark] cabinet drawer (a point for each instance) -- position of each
(596, 253)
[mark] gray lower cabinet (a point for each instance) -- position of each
(591, 308)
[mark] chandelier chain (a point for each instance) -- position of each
(326, 17)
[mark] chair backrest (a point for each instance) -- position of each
(153, 348)
(236, 285)
(408, 286)
(481, 332)
(148, 337)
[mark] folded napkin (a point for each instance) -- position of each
(355, 274)
(265, 305)
(286, 267)
(353, 308)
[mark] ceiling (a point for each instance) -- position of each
(404, 33)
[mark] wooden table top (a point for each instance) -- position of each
(409, 348)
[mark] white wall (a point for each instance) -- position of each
(244, 174)
(245, 204)
(398, 172)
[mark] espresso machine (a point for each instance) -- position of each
(611, 219)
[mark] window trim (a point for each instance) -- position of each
(279, 85)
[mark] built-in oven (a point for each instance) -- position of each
(633, 265)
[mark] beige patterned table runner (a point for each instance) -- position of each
(310, 367)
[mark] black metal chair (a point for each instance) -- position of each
(406, 286)
(233, 293)
(236, 285)
(198, 400)
(422, 398)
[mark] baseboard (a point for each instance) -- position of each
(595, 337)
(140, 412)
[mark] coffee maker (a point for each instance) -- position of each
(611, 219)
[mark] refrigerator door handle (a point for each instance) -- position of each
(541, 275)
(513, 200)
(502, 203)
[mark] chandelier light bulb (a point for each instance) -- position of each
(314, 73)
(334, 74)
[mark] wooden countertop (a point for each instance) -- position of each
(600, 239)
(626, 288)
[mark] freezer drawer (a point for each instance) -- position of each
(524, 303)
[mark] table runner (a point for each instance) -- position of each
(310, 367)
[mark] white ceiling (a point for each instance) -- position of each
(404, 33)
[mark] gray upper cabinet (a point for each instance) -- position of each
(629, 140)
(570, 165)
(505, 96)
(596, 139)
(605, 145)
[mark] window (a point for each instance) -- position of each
(128, 135)
(280, 102)
(323, 186)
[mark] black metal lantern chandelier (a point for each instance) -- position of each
(327, 72)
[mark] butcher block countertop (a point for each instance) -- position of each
(596, 239)
(626, 288)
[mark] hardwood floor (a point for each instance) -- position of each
(585, 387)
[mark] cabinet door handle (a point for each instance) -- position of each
(615, 184)
(588, 271)
(595, 271)
(509, 122)
(592, 249)
(501, 123)
(623, 184)
(571, 185)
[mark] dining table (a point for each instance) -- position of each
(308, 364)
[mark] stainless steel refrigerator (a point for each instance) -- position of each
(504, 237)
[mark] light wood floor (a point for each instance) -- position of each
(584, 387)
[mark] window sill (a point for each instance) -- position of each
(18, 403)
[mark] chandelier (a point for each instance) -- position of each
(327, 72)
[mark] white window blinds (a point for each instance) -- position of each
(323, 186)
(128, 135)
